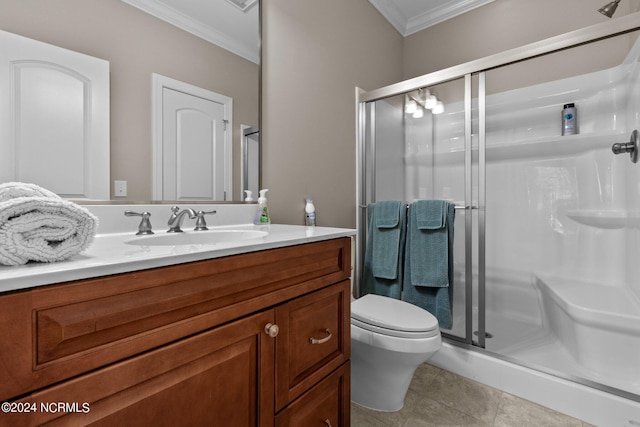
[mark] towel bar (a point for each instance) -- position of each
(456, 207)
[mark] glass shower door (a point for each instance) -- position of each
(439, 165)
(413, 151)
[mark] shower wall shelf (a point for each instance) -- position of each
(553, 146)
(550, 146)
(609, 219)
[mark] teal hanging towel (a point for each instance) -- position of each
(384, 254)
(428, 270)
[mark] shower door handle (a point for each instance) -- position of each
(630, 147)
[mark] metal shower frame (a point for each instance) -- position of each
(364, 195)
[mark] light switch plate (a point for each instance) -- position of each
(120, 188)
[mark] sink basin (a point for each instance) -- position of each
(210, 237)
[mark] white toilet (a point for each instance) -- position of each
(389, 340)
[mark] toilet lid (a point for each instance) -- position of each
(392, 314)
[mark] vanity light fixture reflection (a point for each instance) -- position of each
(415, 103)
(430, 101)
(410, 105)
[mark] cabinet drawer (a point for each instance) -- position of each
(325, 405)
(314, 340)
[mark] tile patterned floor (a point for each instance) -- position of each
(440, 398)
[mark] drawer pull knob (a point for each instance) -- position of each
(271, 330)
(322, 340)
(327, 423)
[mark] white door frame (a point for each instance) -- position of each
(159, 84)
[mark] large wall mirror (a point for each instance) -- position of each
(212, 46)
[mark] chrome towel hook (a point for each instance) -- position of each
(630, 147)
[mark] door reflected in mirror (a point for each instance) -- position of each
(191, 143)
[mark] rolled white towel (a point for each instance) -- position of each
(38, 225)
(12, 190)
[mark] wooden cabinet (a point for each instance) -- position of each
(326, 405)
(314, 340)
(185, 345)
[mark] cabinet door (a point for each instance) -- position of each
(325, 405)
(314, 340)
(223, 377)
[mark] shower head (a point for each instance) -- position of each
(609, 9)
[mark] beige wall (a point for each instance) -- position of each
(137, 45)
(314, 55)
(496, 27)
(507, 24)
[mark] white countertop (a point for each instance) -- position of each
(110, 254)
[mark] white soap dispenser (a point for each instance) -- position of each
(262, 214)
(249, 196)
(310, 213)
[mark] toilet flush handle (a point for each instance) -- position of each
(322, 340)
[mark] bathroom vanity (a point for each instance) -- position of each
(242, 335)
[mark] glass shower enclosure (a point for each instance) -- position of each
(547, 226)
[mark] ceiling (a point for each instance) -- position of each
(224, 24)
(410, 16)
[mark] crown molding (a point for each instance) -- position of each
(434, 15)
(441, 13)
(199, 29)
(243, 5)
(392, 13)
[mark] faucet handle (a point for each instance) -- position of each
(145, 224)
(201, 224)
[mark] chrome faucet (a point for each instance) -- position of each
(145, 224)
(177, 216)
(201, 224)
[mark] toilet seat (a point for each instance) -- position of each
(391, 317)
